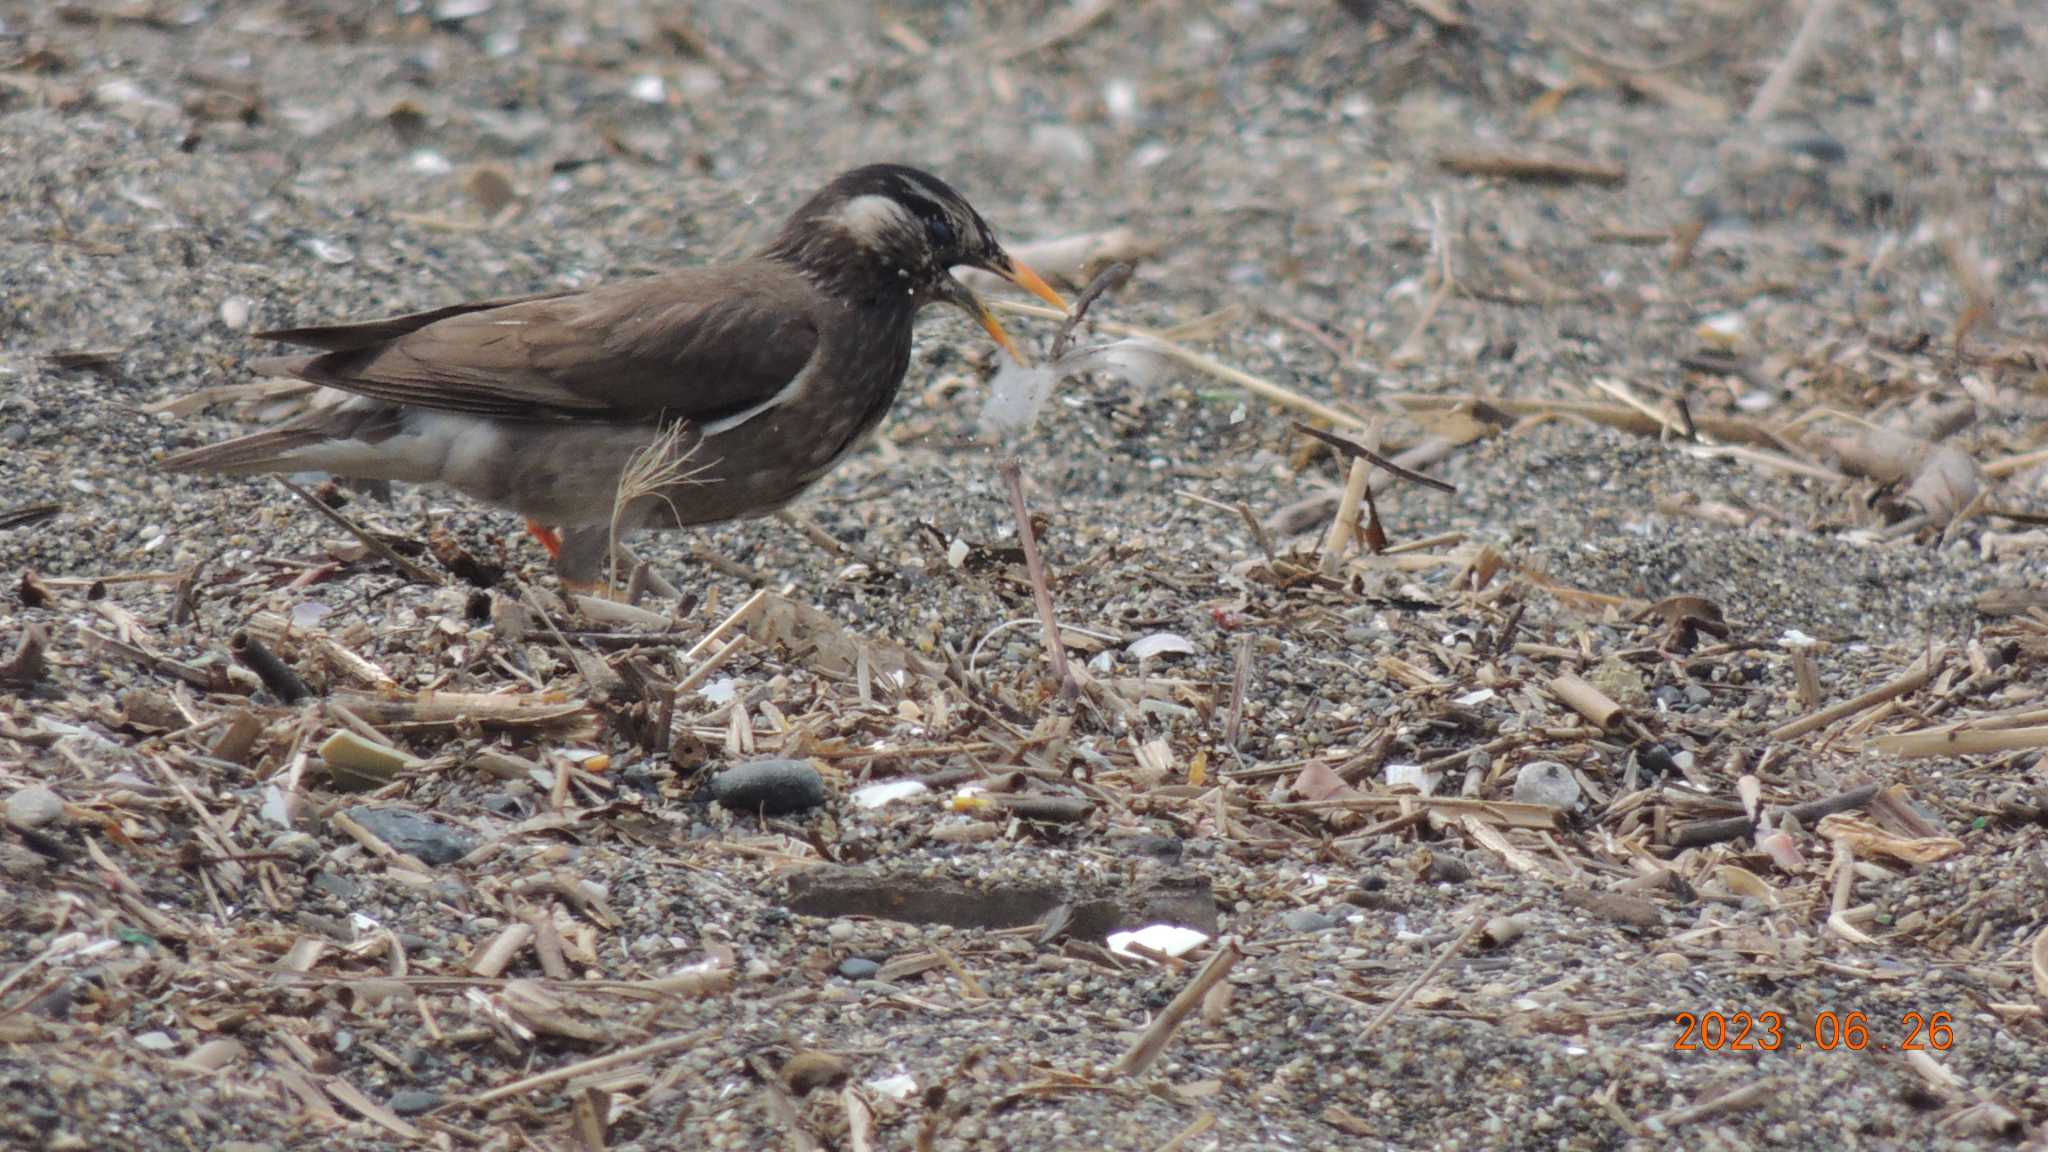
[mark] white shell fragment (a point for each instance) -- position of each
(901, 1086)
(1781, 848)
(1725, 332)
(1159, 644)
(888, 791)
(1166, 939)
(350, 752)
(1414, 776)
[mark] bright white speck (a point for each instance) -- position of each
(876, 795)
(1170, 939)
(901, 1086)
(650, 89)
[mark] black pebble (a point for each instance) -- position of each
(771, 787)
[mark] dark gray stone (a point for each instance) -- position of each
(423, 836)
(770, 787)
(413, 1101)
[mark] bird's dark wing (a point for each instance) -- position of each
(696, 344)
(366, 333)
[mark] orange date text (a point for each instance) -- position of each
(1828, 1032)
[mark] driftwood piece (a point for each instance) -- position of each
(1538, 167)
(489, 709)
(1907, 682)
(1701, 832)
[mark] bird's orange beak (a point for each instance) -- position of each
(1029, 281)
(963, 297)
(1016, 274)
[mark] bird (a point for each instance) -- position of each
(694, 396)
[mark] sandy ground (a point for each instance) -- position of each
(1721, 375)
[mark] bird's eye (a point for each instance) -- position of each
(940, 230)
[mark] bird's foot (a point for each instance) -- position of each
(547, 537)
(595, 589)
(587, 557)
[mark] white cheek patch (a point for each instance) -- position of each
(867, 219)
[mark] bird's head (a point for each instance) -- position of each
(890, 231)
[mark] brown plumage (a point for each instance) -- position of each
(766, 372)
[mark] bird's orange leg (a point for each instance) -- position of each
(547, 537)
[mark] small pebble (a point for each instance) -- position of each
(807, 1072)
(1165, 849)
(504, 804)
(1448, 869)
(413, 1101)
(1305, 920)
(34, 806)
(858, 968)
(1546, 782)
(1500, 931)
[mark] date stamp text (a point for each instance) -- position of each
(1827, 1032)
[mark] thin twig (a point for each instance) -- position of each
(1354, 449)
(1034, 566)
(1344, 526)
(1743, 1097)
(1154, 1039)
(1409, 350)
(410, 570)
(1402, 997)
(1106, 281)
(1801, 50)
(1703, 832)
(1244, 512)
(1907, 682)
(1077, 20)
(1538, 167)
(647, 1051)
(1241, 672)
(1162, 343)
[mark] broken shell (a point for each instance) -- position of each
(1501, 931)
(362, 764)
(1742, 882)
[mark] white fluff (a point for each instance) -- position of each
(1018, 392)
(1014, 398)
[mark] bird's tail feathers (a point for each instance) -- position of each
(271, 450)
